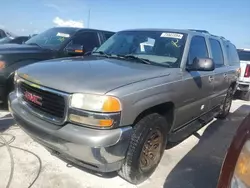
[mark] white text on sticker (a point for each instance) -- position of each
(172, 35)
(63, 35)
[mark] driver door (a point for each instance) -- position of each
(197, 86)
(88, 39)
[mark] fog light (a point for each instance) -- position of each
(91, 121)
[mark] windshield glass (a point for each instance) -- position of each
(244, 55)
(52, 38)
(4, 40)
(161, 47)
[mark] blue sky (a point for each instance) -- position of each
(228, 18)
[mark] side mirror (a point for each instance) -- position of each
(75, 49)
(201, 64)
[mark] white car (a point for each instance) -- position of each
(244, 78)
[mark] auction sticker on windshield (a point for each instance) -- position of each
(172, 35)
(63, 35)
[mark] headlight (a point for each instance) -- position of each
(241, 178)
(2, 65)
(95, 110)
(96, 103)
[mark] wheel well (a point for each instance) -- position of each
(10, 83)
(164, 109)
(233, 84)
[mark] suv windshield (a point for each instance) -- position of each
(160, 47)
(52, 38)
(244, 55)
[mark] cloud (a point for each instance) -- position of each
(21, 30)
(56, 7)
(2, 26)
(67, 23)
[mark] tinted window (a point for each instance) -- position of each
(89, 40)
(198, 48)
(19, 40)
(217, 52)
(244, 55)
(160, 48)
(232, 54)
(107, 35)
(53, 38)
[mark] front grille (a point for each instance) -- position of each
(51, 104)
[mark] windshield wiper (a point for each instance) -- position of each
(35, 44)
(102, 53)
(142, 60)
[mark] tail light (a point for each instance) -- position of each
(247, 72)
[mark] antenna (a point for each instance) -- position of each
(89, 18)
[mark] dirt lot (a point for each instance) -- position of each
(194, 163)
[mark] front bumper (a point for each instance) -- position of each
(243, 86)
(98, 150)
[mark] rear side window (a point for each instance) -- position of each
(244, 55)
(198, 48)
(233, 58)
(89, 40)
(107, 35)
(217, 52)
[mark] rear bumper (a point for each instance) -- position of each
(243, 86)
(98, 150)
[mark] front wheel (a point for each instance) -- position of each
(146, 149)
(226, 105)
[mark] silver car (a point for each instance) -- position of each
(117, 108)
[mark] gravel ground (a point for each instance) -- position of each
(194, 163)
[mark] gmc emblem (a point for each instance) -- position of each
(33, 98)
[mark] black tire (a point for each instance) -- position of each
(226, 105)
(244, 95)
(132, 169)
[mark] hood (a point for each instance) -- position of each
(19, 48)
(89, 74)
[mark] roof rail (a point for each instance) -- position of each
(198, 30)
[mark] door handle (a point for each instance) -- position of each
(210, 78)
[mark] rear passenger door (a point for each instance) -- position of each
(221, 77)
(197, 85)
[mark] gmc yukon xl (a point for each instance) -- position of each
(117, 108)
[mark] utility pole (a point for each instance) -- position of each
(89, 18)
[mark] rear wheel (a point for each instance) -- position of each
(146, 149)
(244, 95)
(226, 105)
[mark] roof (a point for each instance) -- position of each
(83, 29)
(244, 49)
(187, 31)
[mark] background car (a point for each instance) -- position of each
(6, 33)
(15, 40)
(235, 172)
(53, 43)
(243, 89)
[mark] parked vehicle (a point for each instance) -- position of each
(53, 43)
(243, 88)
(14, 40)
(117, 108)
(235, 171)
(6, 33)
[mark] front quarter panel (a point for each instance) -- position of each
(140, 96)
